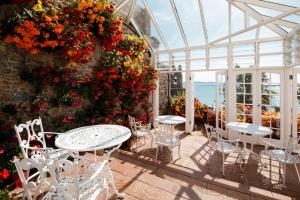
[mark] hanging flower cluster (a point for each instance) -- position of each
(72, 27)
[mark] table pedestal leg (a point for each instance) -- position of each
(77, 176)
(111, 178)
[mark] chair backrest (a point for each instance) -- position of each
(133, 124)
(63, 178)
(29, 135)
(33, 184)
(211, 132)
(293, 144)
(67, 185)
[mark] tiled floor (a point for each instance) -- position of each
(194, 176)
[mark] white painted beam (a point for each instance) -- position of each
(263, 22)
(155, 24)
(203, 20)
(179, 23)
(257, 16)
(118, 8)
(132, 10)
(282, 22)
(268, 4)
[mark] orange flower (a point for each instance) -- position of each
(10, 39)
(43, 25)
(46, 35)
(101, 19)
(101, 29)
(59, 28)
(90, 11)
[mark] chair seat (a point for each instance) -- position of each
(141, 133)
(227, 147)
(167, 141)
(278, 154)
(54, 154)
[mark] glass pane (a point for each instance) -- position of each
(275, 122)
(146, 26)
(218, 63)
(237, 16)
(265, 32)
(265, 99)
(166, 21)
(295, 3)
(243, 62)
(240, 98)
(271, 60)
(270, 47)
(249, 119)
(275, 100)
(218, 52)
(248, 109)
(240, 108)
(276, 134)
(265, 89)
(275, 78)
(216, 18)
(265, 77)
(266, 11)
(240, 88)
(248, 78)
(201, 53)
(244, 49)
(265, 121)
(248, 99)
(248, 88)
(240, 78)
(198, 64)
(275, 89)
(191, 21)
(265, 110)
(240, 118)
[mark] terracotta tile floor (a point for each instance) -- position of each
(194, 176)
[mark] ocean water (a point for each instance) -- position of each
(206, 92)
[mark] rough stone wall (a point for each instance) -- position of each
(13, 61)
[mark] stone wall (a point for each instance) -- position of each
(14, 61)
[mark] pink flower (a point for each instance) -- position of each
(1, 151)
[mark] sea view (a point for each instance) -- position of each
(205, 92)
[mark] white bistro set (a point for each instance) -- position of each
(65, 173)
(284, 155)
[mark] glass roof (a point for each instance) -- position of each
(181, 24)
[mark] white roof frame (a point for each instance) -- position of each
(257, 16)
(282, 22)
(118, 8)
(131, 11)
(263, 22)
(269, 5)
(179, 23)
(203, 20)
(155, 24)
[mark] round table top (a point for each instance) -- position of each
(90, 138)
(170, 119)
(252, 129)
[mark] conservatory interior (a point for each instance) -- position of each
(150, 99)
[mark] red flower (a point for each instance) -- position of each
(42, 107)
(6, 127)
(66, 120)
(56, 79)
(4, 174)
(73, 94)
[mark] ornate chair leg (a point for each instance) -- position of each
(297, 172)
(179, 150)
(284, 173)
(223, 155)
(156, 152)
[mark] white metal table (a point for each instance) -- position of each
(253, 129)
(93, 138)
(170, 119)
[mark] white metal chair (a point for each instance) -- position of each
(84, 184)
(31, 137)
(220, 145)
(35, 184)
(168, 137)
(284, 155)
(140, 130)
